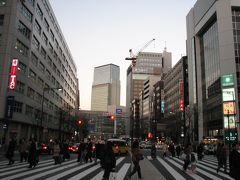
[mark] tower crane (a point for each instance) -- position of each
(133, 57)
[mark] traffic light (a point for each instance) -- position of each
(181, 105)
(112, 117)
(79, 122)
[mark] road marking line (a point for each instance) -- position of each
(123, 171)
(172, 171)
(100, 175)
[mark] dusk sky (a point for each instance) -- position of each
(100, 32)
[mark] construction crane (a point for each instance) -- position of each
(133, 57)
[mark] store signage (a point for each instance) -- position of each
(228, 94)
(9, 107)
(231, 120)
(13, 74)
(118, 111)
(227, 80)
(229, 108)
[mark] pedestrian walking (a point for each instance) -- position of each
(32, 154)
(10, 151)
(200, 151)
(89, 151)
(187, 161)
(65, 150)
(56, 152)
(193, 159)
(178, 150)
(171, 149)
(108, 161)
(221, 154)
(234, 162)
(136, 157)
(23, 150)
(99, 149)
(81, 149)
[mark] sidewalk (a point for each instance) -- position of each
(149, 172)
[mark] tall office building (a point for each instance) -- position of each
(213, 51)
(35, 63)
(105, 87)
(148, 63)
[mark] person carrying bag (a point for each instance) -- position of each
(136, 157)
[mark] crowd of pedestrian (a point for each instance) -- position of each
(87, 151)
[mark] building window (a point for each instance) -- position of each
(51, 35)
(48, 75)
(30, 93)
(54, 67)
(50, 48)
(29, 111)
(32, 2)
(22, 68)
(20, 87)
(45, 23)
(17, 107)
(37, 27)
(40, 82)
(27, 13)
(20, 47)
(32, 75)
(45, 39)
(41, 67)
(43, 52)
(38, 97)
(39, 12)
(34, 59)
(57, 45)
(53, 80)
(49, 61)
(1, 19)
(35, 43)
(24, 30)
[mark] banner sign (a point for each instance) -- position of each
(13, 74)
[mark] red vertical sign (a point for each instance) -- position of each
(181, 89)
(13, 74)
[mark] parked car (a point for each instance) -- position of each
(44, 149)
(73, 148)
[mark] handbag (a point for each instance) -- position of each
(113, 176)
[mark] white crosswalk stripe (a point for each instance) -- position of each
(72, 170)
(205, 168)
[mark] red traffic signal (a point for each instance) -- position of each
(79, 122)
(150, 135)
(112, 117)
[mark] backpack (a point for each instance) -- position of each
(193, 159)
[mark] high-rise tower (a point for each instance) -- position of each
(105, 87)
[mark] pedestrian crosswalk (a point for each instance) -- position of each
(169, 167)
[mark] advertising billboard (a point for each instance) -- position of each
(228, 94)
(229, 108)
(231, 122)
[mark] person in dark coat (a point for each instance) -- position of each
(23, 148)
(108, 161)
(200, 151)
(10, 151)
(81, 149)
(65, 150)
(221, 157)
(89, 151)
(171, 149)
(136, 157)
(187, 160)
(32, 154)
(234, 162)
(178, 150)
